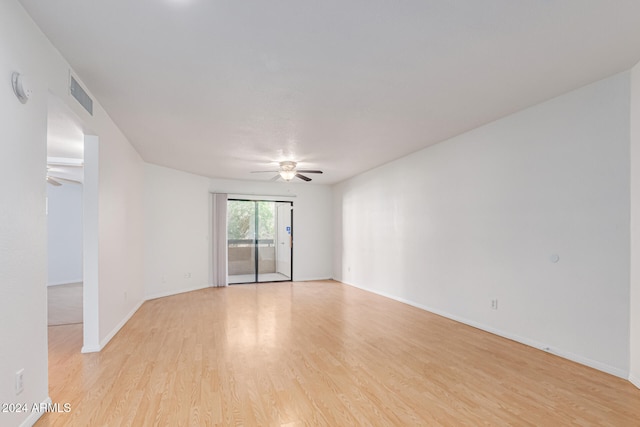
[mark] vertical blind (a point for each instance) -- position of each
(220, 239)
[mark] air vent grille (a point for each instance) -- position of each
(81, 96)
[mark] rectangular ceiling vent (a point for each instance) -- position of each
(81, 96)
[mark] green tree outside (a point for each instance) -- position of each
(241, 219)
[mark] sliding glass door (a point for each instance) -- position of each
(259, 235)
(241, 223)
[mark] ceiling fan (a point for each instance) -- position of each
(61, 171)
(57, 181)
(288, 171)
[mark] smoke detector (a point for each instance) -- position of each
(21, 87)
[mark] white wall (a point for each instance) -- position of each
(178, 229)
(479, 216)
(64, 234)
(23, 231)
(121, 230)
(634, 367)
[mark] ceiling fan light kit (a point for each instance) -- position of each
(288, 171)
(288, 175)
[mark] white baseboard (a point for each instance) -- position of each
(635, 380)
(90, 349)
(513, 337)
(175, 292)
(113, 332)
(310, 279)
(65, 282)
(35, 416)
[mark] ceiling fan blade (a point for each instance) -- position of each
(309, 171)
(265, 171)
(53, 182)
(59, 178)
(304, 178)
(275, 178)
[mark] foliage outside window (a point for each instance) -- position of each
(241, 220)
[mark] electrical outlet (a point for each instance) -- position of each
(126, 297)
(494, 304)
(19, 381)
(187, 275)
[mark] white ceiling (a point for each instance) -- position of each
(221, 87)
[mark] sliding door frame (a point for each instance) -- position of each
(256, 239)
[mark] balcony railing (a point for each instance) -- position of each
(250, 242)
(241, 254)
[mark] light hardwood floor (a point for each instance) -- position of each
(64, 304)
(318, 353)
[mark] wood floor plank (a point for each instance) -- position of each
(318, 353)
(64, 304)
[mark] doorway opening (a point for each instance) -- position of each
(65, 173)
(72, 228)
(260, 241)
